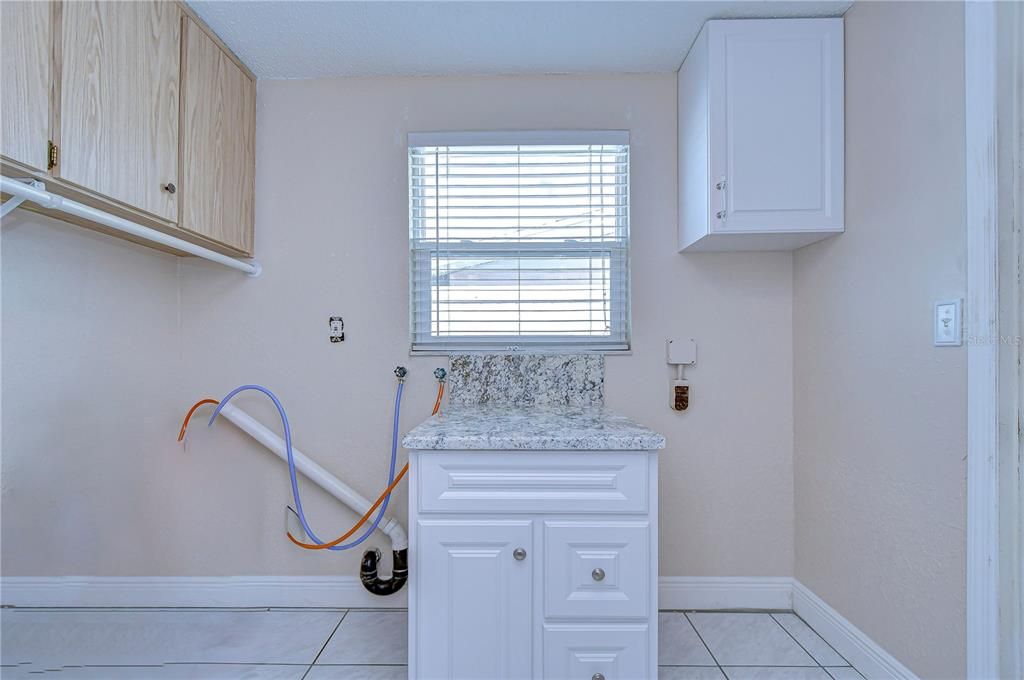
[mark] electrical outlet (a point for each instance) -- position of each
(337, 329)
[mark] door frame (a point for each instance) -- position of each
(993, 218)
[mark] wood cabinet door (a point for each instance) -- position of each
(119, 86)
(474, 599)
(776, 125)
(26, 40)
(218, 146)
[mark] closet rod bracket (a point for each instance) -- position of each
(14, 201)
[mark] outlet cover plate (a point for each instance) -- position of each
(337, 325)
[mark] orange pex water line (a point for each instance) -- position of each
(188, 416)
(364, 518)
(380, 499)
(437, 404)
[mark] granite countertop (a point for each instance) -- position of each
(535, 428)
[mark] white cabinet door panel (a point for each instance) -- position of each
(474, 599)
(776, 125)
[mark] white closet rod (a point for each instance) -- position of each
(37, 193)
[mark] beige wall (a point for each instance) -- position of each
(332, 235)
(879, 412)
(91, 352)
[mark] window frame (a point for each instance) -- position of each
(619, 273)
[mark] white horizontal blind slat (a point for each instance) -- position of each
(523, 245)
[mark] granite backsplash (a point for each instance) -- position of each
(527, 379)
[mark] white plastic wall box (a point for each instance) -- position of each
(761, 135)
(530, 564)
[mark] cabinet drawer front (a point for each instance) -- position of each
(597, 569)
(533, 482)
(580, 652)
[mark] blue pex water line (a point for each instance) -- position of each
(291, 460)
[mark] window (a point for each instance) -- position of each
(519, 240)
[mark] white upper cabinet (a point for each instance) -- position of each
(761, 135)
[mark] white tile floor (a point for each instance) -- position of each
(294, 644)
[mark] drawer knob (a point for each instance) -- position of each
(598, 575)
(519, 554)
(169, 187)
(597, 676)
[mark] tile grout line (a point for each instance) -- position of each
(827, 643)
(806, 651)
(848, 663)
(820, 638)
(721, 670)
(326, 642)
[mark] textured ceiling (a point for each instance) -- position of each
(300, 39)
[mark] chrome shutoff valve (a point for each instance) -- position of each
(440, 374)
(401, 372)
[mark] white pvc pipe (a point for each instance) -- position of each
(316, 474)
(54, 202)
(9, 205)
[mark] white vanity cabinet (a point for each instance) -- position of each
(533, 564)
(761, 135)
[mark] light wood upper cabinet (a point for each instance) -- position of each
(761, 135)
(25, 80)
(152, 117)
(119, 89)
(218, 143)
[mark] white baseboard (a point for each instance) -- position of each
(860, 650)
(725, 592)
(344, 592)
(674, 592)
(341, 592)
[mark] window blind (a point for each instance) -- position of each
(519, 241)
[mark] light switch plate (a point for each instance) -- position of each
(949, 323)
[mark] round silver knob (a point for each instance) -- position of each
(720, 185)
(597, 676)
(720, 214)
(598, 574)
(169, 187)
(519, 554)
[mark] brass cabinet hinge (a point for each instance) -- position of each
(51, 155)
